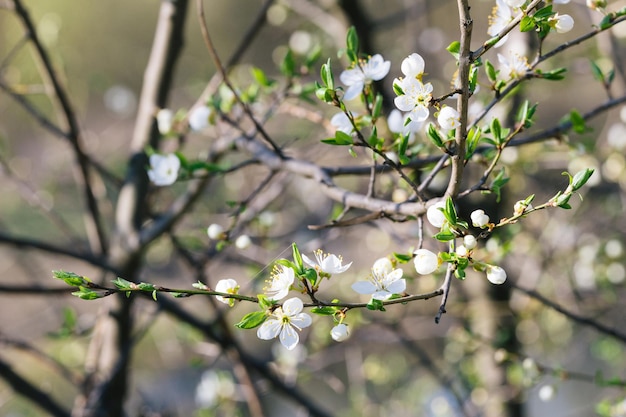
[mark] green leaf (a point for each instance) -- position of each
(260, 77)
(525, 114)
(144, 286)
(450, 212)
(454, 48)
(86, 294)
(264, 302)
(122, 284)
(252, 320)
(581, 178)
(324, 311)
(445, 236)
(352, 44)
(578, 122)
(527, 24)
(397, 89)
(473, 138)
(554, 75)
(402, 257)
(596, 72)
(327, 75)
(288, 65)
(70, 278)
(497, 184)
(544, 13)
(433, 135)
(378, 106)
(375, 305)
(496, 130)
(492, 74)
(297, 258)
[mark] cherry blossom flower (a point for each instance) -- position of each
(501, 16)
(215, 231)
(416, 98)
(199, 118)
(515, 66)
(521, 206)
(384, 281)
(479, 218)
(469, 241)
(563, 23)
(341, 122)
(243, 242)
(340, 332)
(496, 275)
(426, 262)
(374, 69)
(163, 169)
(461, 251)
(326, 263)
(435, 215)
(281, 280)
(284, 322)
(413, 66)
(228, 286)
(448, 118)
(164, 118)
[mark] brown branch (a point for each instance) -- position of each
(94, 220)
(28, 390)
(584, 321)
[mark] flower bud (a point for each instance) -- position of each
(243, 242)
(496, 275)
(469, 241)
(435, 216)
(479, 218)
(426, 262)
(215, 231)
(340, 332)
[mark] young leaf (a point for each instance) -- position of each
(252, 320)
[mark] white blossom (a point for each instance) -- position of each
(515, 66)
(501, 16)
(448, 118)
(284, 322)
(326, 263)
(384, 281)
(243, 242)
(413, 66)
(199, 118)
(496, 275)
(562, 23)
(426, 262)
(163, 169)
(279, 283)
(435, 215)
(479, 218)
(215, 231)
(516, 4)
(596, 4)
(341, 122)
(416, 98)
(520, 207)
(469, 241)
(227, 286)
(547, 393)
(461, 251)
(340, 332)
(164, 118)
(374, 69)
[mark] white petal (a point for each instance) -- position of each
(307, 260)
(395, 121)
(353, 91)
(289, 337)
(397, 287)
(269, 329)
(301, 320)
(420, 113)
(435, 216)
(340, 332)
(292, 306)
(199, 118)
(426, 262)
(404, 103)
(352, 76)
(364, 287)
(382, 295)
(413, 65)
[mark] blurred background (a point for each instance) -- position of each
(498, 351)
